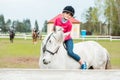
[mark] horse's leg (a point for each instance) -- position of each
(33, 41)
(108, 63)
(11, 39)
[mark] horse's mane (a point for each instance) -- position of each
(45, 39)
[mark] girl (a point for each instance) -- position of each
(64, 22)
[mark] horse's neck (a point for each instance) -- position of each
(34, 34)
(61, 55)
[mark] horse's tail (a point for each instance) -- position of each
(108, 63)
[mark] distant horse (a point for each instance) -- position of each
(11, 35)
(34, 36)
(54, 55)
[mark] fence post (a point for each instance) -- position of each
(25, 36)
(110, 38)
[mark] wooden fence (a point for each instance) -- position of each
(93, 37)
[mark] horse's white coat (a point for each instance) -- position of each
(90, 51)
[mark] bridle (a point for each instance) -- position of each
(44, 47)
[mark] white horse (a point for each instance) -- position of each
(54, 55)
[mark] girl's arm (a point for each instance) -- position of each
(66, 34)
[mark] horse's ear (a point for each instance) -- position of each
(54, 28)
(61, 36)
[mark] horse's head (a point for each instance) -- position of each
(51, 45)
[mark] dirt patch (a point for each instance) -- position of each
(24, 62)
(19, 62)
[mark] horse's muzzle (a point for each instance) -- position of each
(45, 62)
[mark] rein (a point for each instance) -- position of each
(44, 48)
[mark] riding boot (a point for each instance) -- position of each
(84, 66)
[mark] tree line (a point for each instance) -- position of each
(16, 25)
(103, 18)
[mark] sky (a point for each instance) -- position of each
(41, 10)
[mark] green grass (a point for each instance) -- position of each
(20, 47)
(24, 54)
(20, 54)
(114, 50)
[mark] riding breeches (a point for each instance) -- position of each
(69, 47)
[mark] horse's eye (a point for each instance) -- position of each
(49, 41)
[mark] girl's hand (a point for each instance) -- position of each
(66, 34)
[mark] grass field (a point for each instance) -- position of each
(20, 54)
(24, 54)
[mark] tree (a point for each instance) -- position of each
(8, 24)
(27, 25)
(2, 23)
(36, 25)
(24, 26)
(44, 29)
(20, 27)
(91, 16)
(112, 14)
(105, 12)
(14, 24)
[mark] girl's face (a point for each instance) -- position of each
(66, 15)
